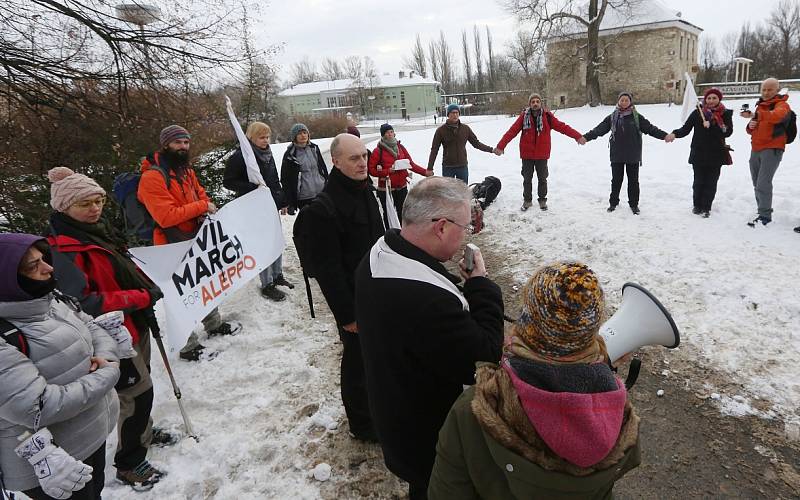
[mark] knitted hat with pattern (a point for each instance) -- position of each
(172, 133)
(68, 187)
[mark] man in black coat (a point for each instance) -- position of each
(341, 239)
(420, 333)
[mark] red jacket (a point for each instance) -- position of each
(100, 291)
(381, 161)
(181, 206)
(533, 146)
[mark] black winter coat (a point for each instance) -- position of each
(707, 143)
(342, 239)
(626, 143)
(419, 348)
(235, 177)
(290, 173)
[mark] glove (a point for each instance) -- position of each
(112, 323)
(59, 474)
(155, 295)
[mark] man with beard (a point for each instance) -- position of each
(535, 122)
(170, 191)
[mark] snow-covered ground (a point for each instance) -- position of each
(269, 402)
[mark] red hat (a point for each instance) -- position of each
(713, 90)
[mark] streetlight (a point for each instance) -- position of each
(141, 15)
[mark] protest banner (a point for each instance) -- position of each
(231, 248)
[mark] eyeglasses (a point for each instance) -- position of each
(469, 228)
(89, 203)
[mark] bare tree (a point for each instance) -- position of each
(524, 49)
(554, 18)
(710, 65)
(331, 69)
(433, 59)
(490, 61)
(416, 62)
(785, 20)
(467, 60)
(729, 46)
(476, 38)
(304, 71)
(445, 56)
(353, 67)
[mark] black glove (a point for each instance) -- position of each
(155, 295)
(291, 210)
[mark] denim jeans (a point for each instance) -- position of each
(269, 274)
(457, 172)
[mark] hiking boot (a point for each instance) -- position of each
(763, 221)
(281, 281)
(367, 436)
(543, 204)
(797, 229)
(272, 293)
(226, 328)
(635, 210)
(162, 437)
(142, 478)
(696, 211)
(192, 354)
(706, 214)
(611, 208)
(526, 205)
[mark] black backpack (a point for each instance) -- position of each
(139, 224)
(486, 192)
(14, 337)
(788, 126)
(303, 240)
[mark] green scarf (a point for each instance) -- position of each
(391, 146)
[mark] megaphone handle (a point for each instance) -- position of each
(633, 373)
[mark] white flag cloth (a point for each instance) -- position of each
(253, 173)
(231, 248)
(391, 212)
(690, 99)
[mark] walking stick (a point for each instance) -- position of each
(157, 335)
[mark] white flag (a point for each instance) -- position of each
(253, 173)
(391, 212)
(690, 99)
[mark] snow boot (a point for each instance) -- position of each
(706, 214)
(696, 211)
(763, 221)
(526, 205)
(226, 328)
(162, 437)
(635, 210)
(272, 293)
(142, 478)
(797, 229)
(611, 208)
(281, 281)
(543, 204)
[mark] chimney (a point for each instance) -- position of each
(402, 74)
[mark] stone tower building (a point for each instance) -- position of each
(646, 52)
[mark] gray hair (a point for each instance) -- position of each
(435, 198)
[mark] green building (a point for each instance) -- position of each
(405, 95)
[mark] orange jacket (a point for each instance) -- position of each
(763, 137)
(180, 207)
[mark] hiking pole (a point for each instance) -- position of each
(308, 294)
(156, 331)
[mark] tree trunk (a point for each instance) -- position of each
(592, 56)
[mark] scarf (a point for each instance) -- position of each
(537, 117)
(714, 115)
(126, 274)
(263, 156)
(618, 118)
(391, 145)
(596, 351)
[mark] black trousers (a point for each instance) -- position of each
(399, 197)
(92, 489)
(354, 384)
(135, 433)
(704, 187)
(618, 171)
(417, 491)
(528, 167)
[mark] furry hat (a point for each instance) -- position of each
(68, 187)
(296, 129)
(562, 312)
(385, 128)
(172, 133)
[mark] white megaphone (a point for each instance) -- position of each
(640, 320)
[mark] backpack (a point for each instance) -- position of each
(13, 336)
(486, 192)
(788, 126)
(139, 224)
(304, 239)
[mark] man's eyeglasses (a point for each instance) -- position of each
(469, 228)
(89, 203)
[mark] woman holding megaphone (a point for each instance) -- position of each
(551, 420)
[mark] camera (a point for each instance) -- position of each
(745, 108)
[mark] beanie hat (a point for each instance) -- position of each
(562, 311)
(172, 133)
(534, 95)
(630, 96)
(67, 187)
(451, 108)
(385, 128)
(713, 90)
(296, 129)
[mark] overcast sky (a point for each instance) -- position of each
(385, 30)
